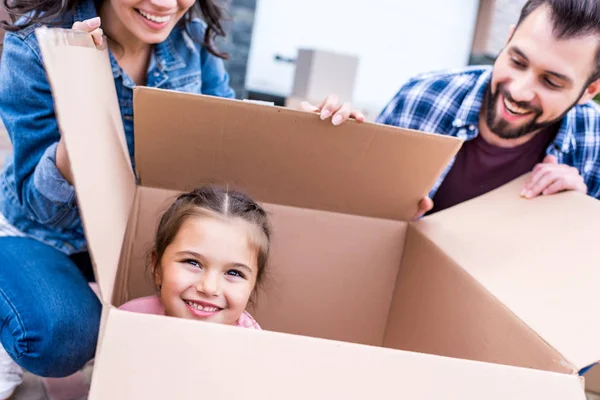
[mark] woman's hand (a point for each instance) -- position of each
(91, 26)
(331, 107)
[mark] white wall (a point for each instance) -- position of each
(506, 13)
(394, 39)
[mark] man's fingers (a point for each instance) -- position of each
(425, 205)
(555, 187)
(358, 116)
(306, 106)
(536, 174)
(550, 159)
(342, 114)
(330, 106)
(539, 183)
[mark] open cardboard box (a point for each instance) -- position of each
(489, 299)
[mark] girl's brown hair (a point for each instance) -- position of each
(218, 202)
(49, 12)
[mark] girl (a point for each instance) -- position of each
(209, 256)
(50, 315)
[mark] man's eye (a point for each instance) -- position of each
(550, 83)
(518, 63)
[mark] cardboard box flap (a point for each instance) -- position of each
(539, 257)
(90, 123)
(268, 365)
(283, 156)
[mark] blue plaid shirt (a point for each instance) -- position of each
(449, 102)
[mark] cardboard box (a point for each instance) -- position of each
(320, 73)
(592, 380)
(489, 299)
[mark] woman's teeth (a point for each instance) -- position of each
(514, 108)
(154, 18)
(201, 308)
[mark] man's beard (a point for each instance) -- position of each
(502, 128)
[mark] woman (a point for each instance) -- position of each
(50, 315)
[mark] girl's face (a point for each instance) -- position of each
(149, 21)
(209, 270)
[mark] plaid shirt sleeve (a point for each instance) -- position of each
(581, 145)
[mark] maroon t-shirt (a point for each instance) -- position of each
(481, 167)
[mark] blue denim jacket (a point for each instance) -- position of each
(34, 197)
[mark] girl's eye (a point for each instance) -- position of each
(192, 262)
(233, 272)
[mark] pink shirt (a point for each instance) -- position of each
(152, 305)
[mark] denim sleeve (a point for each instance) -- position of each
(27, 109)
(215, 79)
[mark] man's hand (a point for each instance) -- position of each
(425, 205)
(550, 177)
(331, 107)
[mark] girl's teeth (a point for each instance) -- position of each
(155, 18)
(200, 308)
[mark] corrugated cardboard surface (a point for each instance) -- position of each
(306, 270)
(538, 257)
(267, 365)
(440, 309)
(87, 111)
(592, 380)
(284, 156)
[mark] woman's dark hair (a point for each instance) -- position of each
(218, 202)
(50, 12)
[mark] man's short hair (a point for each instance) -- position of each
(571, 19)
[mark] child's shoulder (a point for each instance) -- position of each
(247, 321)
(145, 305)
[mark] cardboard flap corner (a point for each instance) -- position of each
(538, 257)
(284, 156)
(90, 122)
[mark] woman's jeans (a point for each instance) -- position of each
(49, 315)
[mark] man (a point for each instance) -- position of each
(530, 112)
